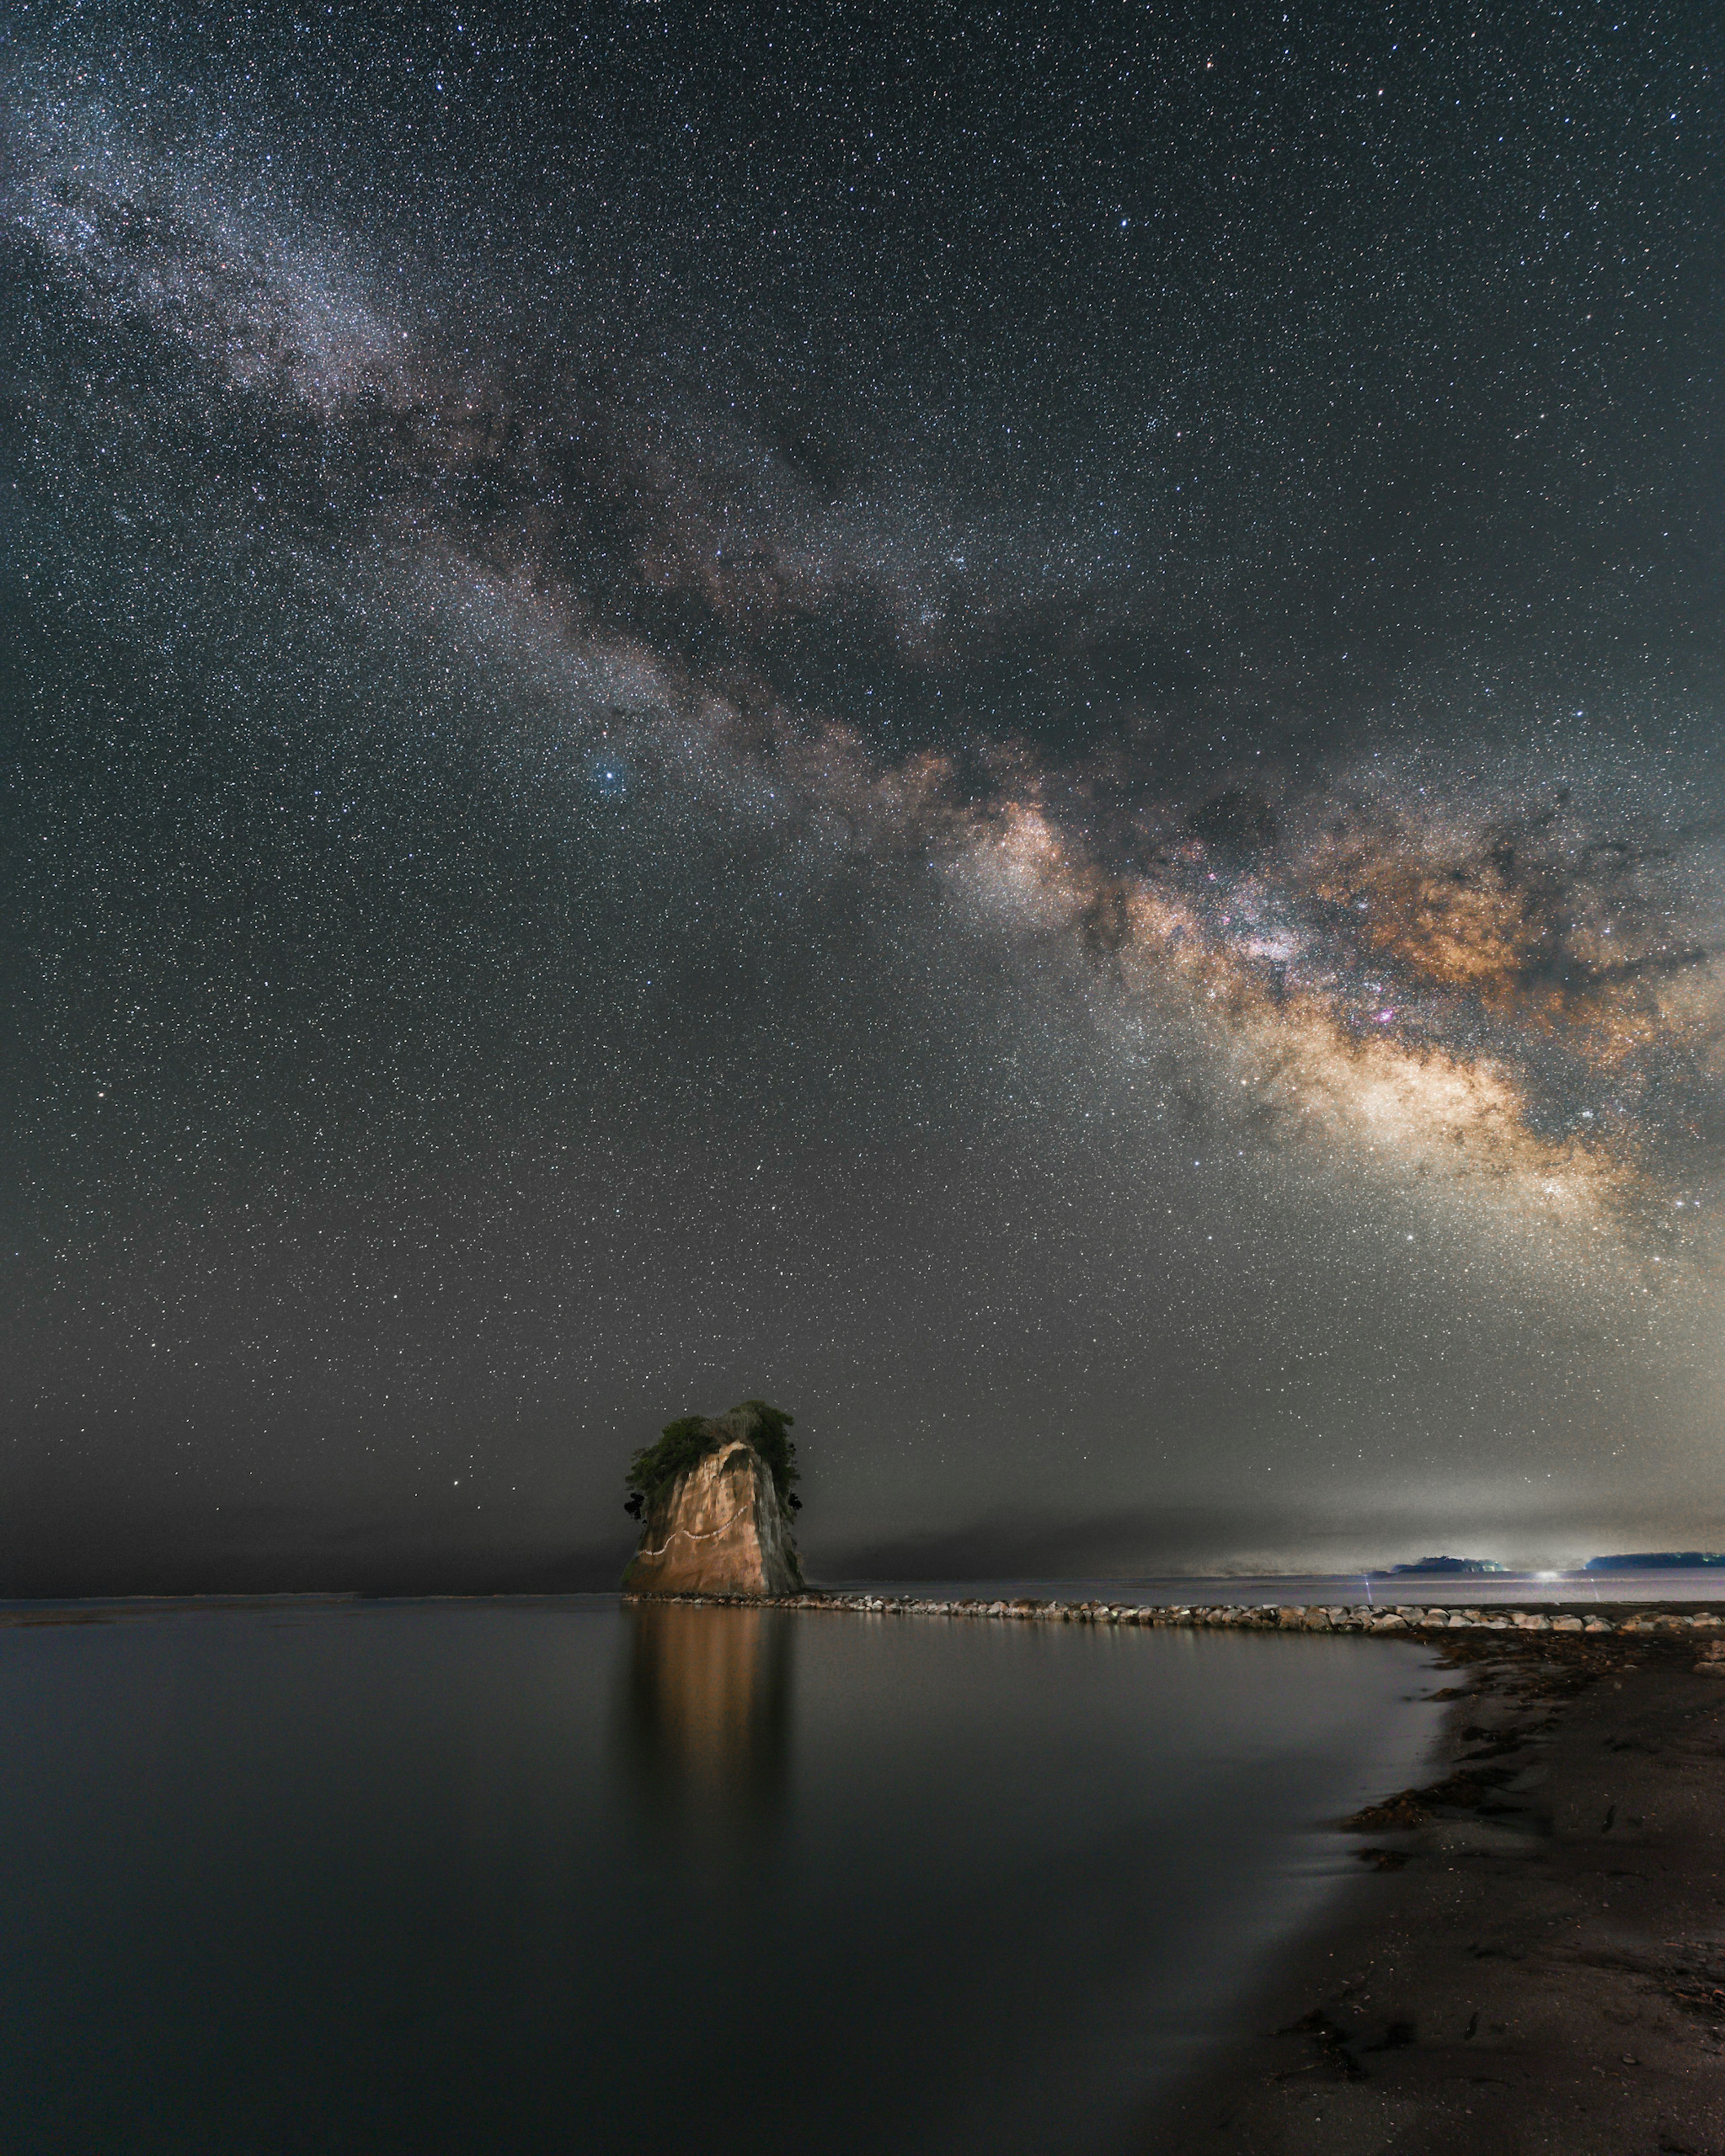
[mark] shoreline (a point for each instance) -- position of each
(1532, 1961)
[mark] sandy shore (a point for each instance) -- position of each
(1533, 1963)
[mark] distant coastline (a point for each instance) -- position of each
(1658, 1561)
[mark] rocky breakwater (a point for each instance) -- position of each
(1707, 1626)
(715, 1499)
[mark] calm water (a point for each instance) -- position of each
(510, 1878)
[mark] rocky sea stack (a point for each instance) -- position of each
(715, 1499)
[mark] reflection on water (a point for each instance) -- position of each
(469, 1878)
(707, 1711)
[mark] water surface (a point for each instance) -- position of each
(562, 1876)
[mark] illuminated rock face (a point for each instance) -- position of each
(719, 1529)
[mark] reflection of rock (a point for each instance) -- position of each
(719, 1528)
(709, 1696)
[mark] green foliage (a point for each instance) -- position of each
(681, 1443)
(685, 1443)
(769, 1440)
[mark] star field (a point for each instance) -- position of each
(1004, 726)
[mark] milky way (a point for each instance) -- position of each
(1006, 729)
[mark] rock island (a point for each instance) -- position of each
(715, 1497)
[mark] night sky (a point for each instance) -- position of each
(1002, 722)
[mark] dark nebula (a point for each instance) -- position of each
(1005, 725)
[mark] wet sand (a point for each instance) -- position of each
(1533, 1963)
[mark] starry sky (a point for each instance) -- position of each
(1003, 721)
